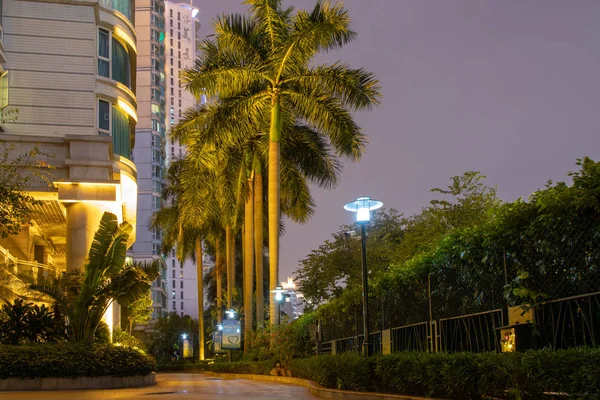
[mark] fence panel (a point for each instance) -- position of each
(569, 322)
(410, 338)
(475, 333)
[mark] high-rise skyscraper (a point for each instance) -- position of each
(69, 70)
(150, 136)
(181, 27)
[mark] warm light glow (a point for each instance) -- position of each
(127, 108)
(121, 34)
(289, 285)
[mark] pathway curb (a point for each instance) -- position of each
(82, 382)
(316, 389)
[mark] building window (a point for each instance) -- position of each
(104, 53)
(103, 118)
(179, 63)
(113, 59)
(181, 287)
(174, 285)
(173, 261)
(180, 265)
(181, 295)
(3, 88)
(181, 313)
(171, 13)
(178, 16)
(174, 305)
(181, 274)
(173, 274)
(173, 254)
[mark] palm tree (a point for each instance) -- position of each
(280, 80)
(84, 298)
(186, 221)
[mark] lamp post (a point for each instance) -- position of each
(278, 297)
(363, 206)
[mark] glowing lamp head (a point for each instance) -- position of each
(278, 293)
(363, 207)
(230, 313)
(184, 336)
(220, 327)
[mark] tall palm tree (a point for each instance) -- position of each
(281, 80)
(84, 298)
(187, 220)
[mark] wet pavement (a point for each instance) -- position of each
(179, 386)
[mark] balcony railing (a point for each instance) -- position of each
(27, 271)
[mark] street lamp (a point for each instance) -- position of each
(363, 206)
(278, 297)
(230, 313)
(184, 336)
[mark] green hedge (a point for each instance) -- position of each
(456, 376)
(72, 360)
(461, 375)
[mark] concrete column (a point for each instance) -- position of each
(83, 219)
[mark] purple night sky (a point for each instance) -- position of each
(509, 88)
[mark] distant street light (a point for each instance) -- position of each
(278, 297)
(230, 313)
(184, 336)
(363, 207)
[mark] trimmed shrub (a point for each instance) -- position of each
(443, 375)
(72, 360)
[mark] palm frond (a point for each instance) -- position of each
(329, 116)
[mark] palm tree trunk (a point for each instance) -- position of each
(200, 281)
(249, 261)
(229, 263)
(234, 235)
(258, 243)
(274, 205)
(219, 272)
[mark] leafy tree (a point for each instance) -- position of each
(281, 81)
(84, 298)
(16, 173)
(140, 311)
(166, 338)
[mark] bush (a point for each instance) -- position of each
(72, 360)
(444, 375)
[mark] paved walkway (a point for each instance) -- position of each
(180, 386)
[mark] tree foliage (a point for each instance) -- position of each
(476, 252)
(15, 175)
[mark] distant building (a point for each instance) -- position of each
(150, 138)
(181, 27)
(293, 303)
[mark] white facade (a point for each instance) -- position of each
(181, 27)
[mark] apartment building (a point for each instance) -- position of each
(68, 68)
(150, 136)
(181, 27)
